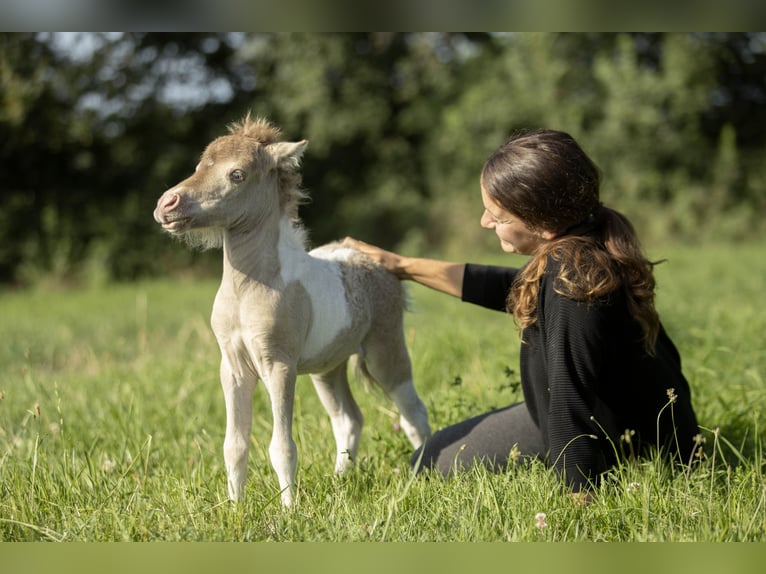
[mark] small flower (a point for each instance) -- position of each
(540, 520)
(698, 450)
(627, 436)
(108, 465)
(515, 454)
(671, 392)
(633, 486)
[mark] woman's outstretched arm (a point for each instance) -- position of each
(444, 276)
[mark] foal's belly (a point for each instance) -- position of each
(333, 354)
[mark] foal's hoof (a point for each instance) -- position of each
(343, 464)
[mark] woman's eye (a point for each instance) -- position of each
(237, 176)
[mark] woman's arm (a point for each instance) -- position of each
(443, 276)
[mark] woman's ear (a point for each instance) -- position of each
(548, 235)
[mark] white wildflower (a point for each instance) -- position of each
(540, 520)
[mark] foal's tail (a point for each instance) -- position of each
(361, 372)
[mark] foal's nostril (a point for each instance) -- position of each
(169, 202)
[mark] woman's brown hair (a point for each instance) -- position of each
(546, 179)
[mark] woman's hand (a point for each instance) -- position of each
(443, 276)
(391, 261)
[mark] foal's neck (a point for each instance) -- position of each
(258, 254)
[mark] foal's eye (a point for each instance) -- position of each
(237, 176)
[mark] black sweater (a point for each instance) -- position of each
(584, 371)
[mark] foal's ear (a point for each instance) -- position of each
(287, 155)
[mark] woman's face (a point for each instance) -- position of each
(514, 235)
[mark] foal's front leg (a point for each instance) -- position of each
(238, 395)
(280, 383)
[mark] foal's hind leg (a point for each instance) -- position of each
(345, 416)
(387, 362)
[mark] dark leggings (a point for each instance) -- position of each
(487, 439)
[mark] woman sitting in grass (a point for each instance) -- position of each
(599, 373)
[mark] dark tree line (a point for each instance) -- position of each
(94, 127)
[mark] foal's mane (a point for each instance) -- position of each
(259, 129)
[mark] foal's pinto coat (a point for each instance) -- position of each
(280, 311)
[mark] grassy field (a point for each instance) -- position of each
(112, 420)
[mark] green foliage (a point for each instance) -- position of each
(112, 422)
(94, 127)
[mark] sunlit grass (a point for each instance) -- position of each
(111, 425)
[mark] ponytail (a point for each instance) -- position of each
(603, 256)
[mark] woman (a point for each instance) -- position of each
(598, 371)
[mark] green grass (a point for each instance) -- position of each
(112, 420)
